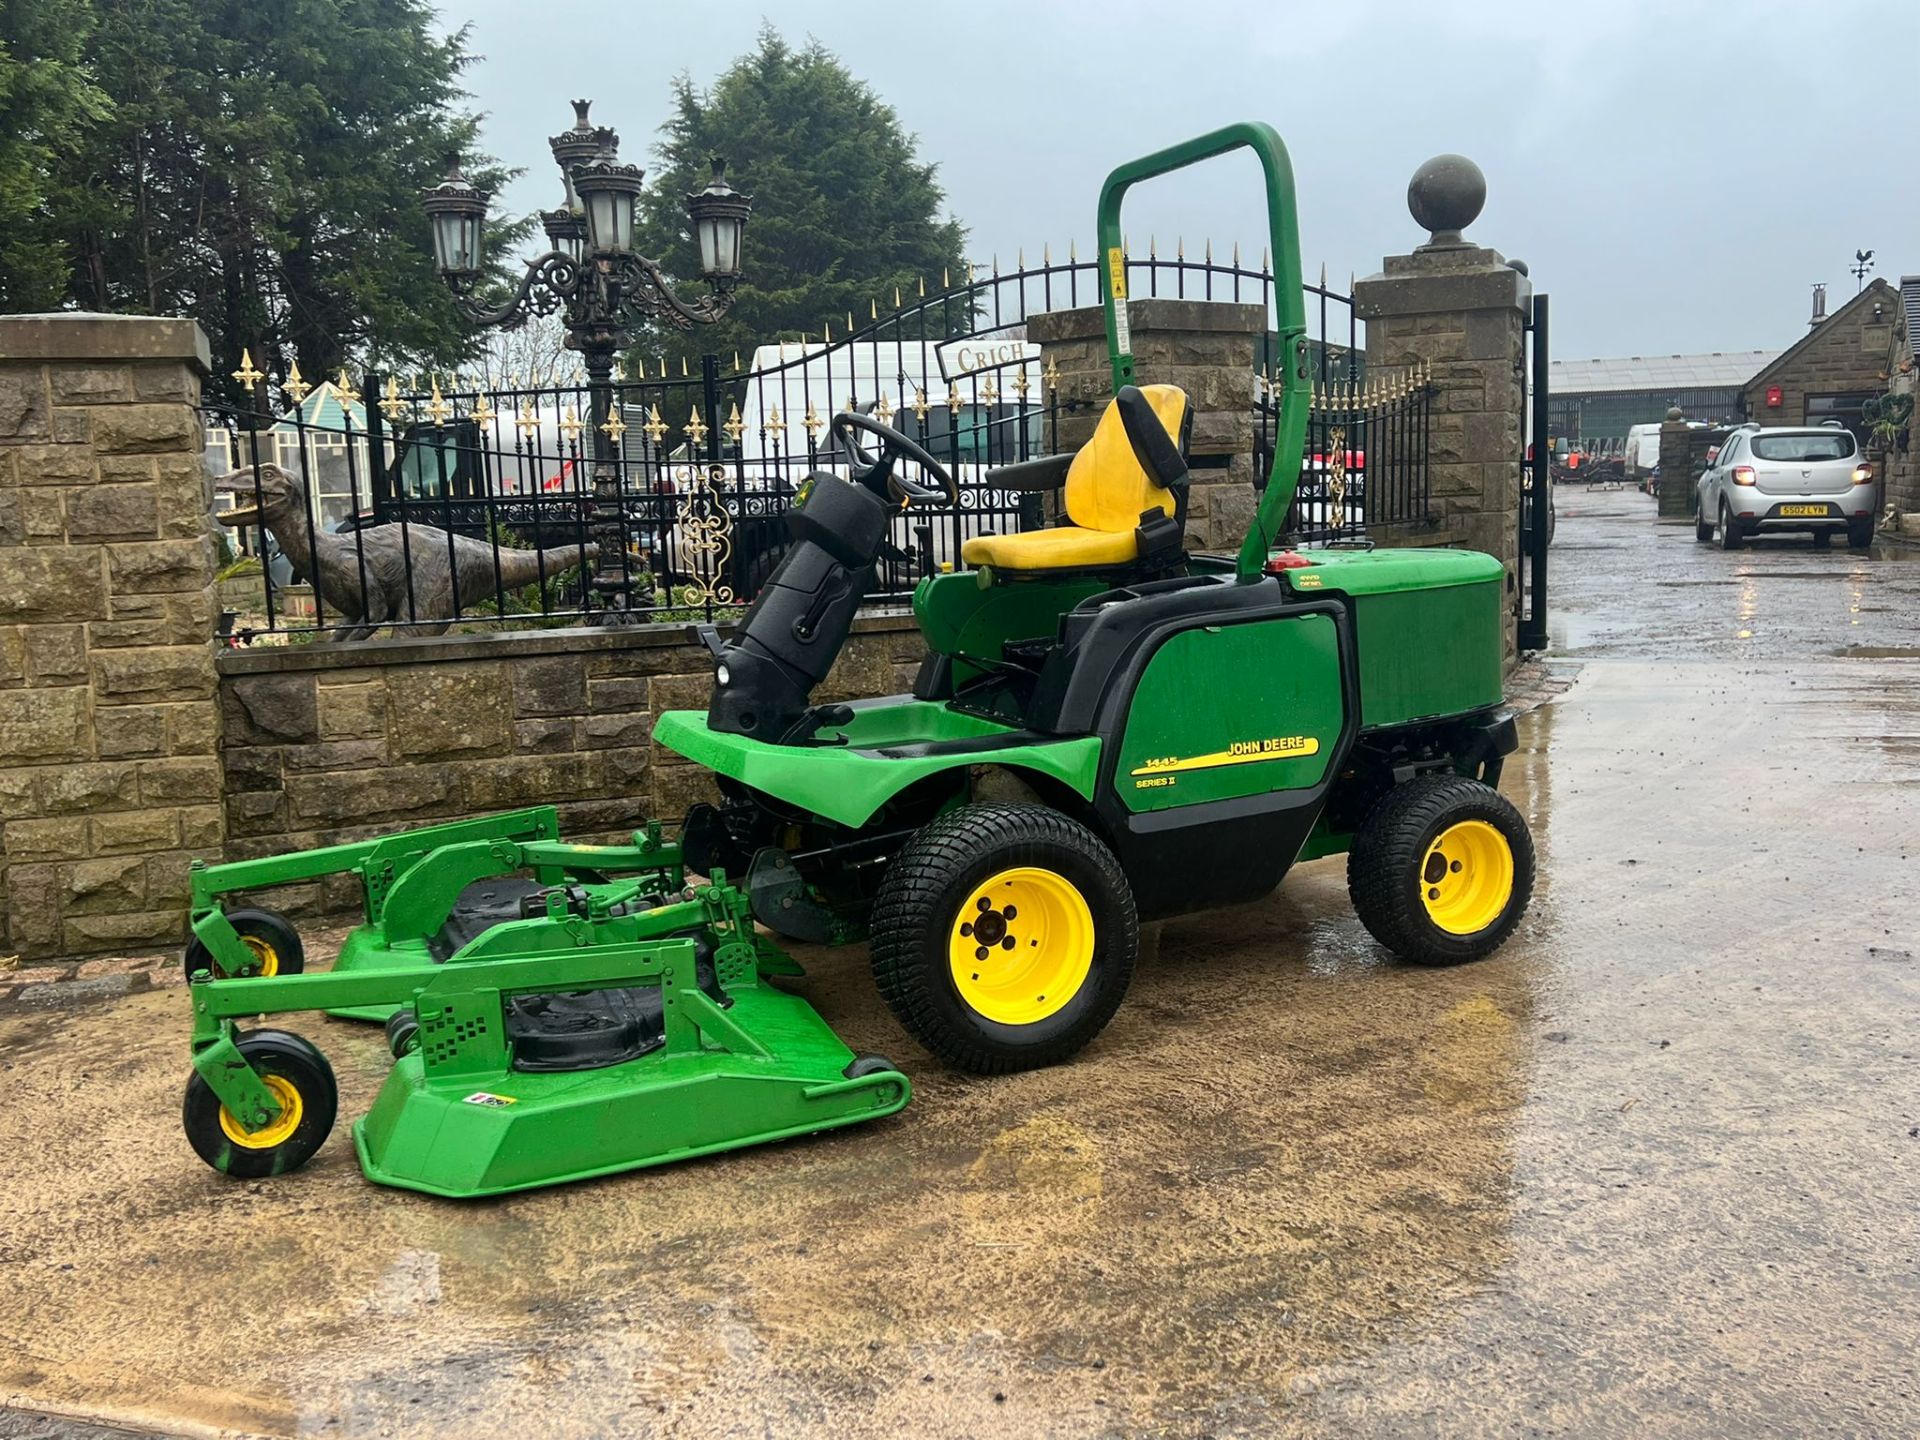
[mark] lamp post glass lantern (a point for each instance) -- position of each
(603, 289)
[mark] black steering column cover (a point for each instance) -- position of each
(793, 631)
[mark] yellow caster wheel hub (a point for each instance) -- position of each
(276, 1131)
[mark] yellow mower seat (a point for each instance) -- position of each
(1107, 491)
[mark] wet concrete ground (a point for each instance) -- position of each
(1654, 1168)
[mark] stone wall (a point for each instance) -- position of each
(1205, 347)
(109, 726)
(1460, 310)
(1683, 460)
(331, 743)
(1845, 354)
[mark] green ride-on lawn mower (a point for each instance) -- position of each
(1105, 730)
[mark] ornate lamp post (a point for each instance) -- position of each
(604, 290)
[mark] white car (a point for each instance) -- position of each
(1810, 479)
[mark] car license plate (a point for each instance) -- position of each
(1800, 510)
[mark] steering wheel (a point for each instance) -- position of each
(871, 473)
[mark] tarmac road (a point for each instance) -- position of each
(1652, 1169)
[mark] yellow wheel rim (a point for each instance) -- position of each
(263, 952)
(1021, 946)
(276, 1131)
(1467, 877)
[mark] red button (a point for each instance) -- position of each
(1288, 560)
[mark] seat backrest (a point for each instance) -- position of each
(1107, 486)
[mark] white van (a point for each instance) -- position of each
(961, 399)
(1642, 452)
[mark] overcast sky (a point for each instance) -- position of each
(1676, 174)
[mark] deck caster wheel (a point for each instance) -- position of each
(300, 1079)
(268, 934)
(865, 1065)
(403, 1031)
(1004, 937)
(1441, 870)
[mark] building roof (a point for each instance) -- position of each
(1875, 287)
(325, 409)
(1718, 370)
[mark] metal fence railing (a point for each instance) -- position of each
(1364, 470)
(425, 505)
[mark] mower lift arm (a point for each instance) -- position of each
(1289, 304)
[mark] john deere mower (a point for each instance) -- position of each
(1106, 729)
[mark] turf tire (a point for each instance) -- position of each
(1383, 867)
(916, 908)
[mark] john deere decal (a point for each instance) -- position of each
(1240, 752)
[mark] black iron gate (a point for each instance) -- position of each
(1536, 489)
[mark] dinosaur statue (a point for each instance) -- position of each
(409, 576)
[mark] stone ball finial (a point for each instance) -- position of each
(1446, 195)
(1674, 413)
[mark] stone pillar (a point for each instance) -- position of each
(1460, 310)
(1676, 467)
(1208, 348)
(109, 723)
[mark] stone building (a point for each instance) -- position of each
(1833, 370)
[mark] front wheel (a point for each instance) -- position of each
(1004, 937)
(301, 1081)
(1441, 870)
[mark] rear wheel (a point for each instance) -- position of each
(1859, 534)
(301, 1081)
(273, 947)
(1441, 870)
(1702, 526)
(1004, 937)
(1726, 533)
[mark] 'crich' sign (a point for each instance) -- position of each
(972, 356)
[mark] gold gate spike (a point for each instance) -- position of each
(883, 409)
(735, 426)
(696, 427)
(393, 407)
(349, 397)
(570, 424)
(774, 425)
(813, 422)
(920, 406)
(246, 374)
(527, 422)
(655, 427)
(438, 410)
(295, 386)
(989, 392)
(954, 402)
(483, 412)
(615, 427)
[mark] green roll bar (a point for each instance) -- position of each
(1289, 304)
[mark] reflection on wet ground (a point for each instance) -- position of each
(1654, 1167)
